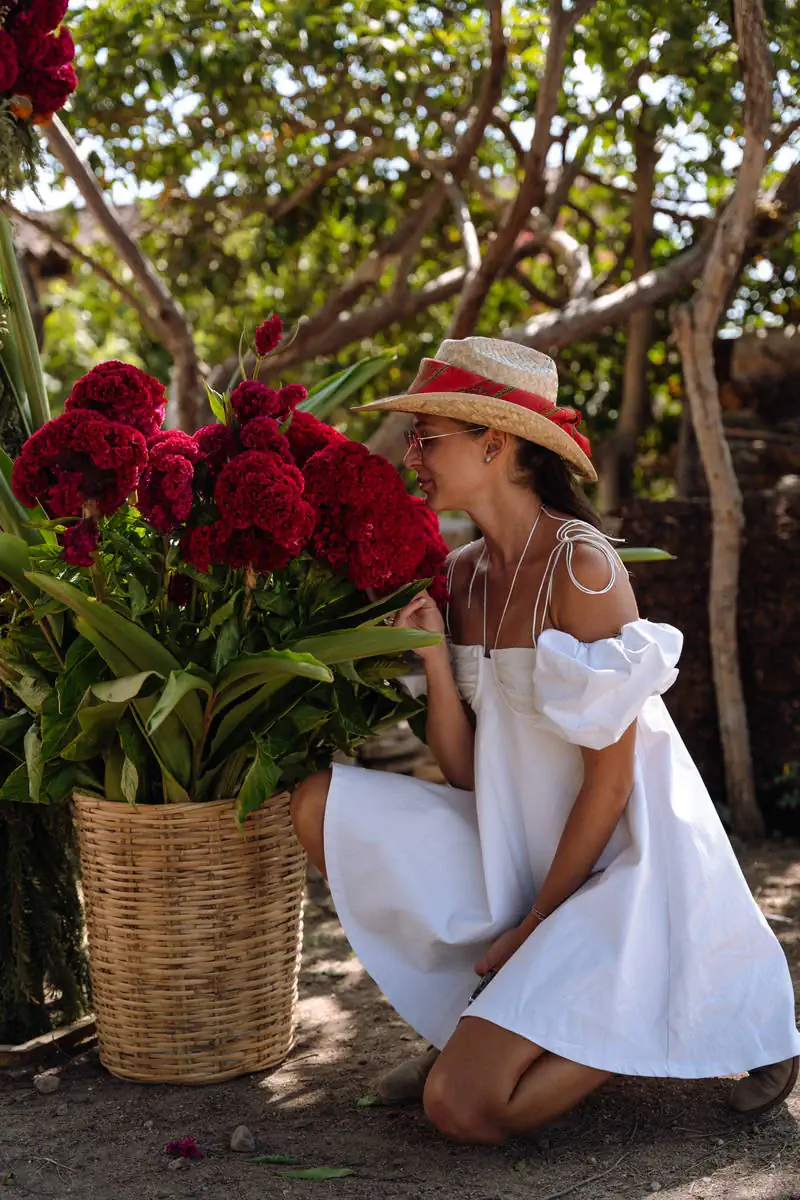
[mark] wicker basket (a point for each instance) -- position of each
(194, 936)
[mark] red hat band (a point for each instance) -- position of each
(442, 377)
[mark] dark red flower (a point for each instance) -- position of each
(80, 542)
(262, 490)
(9, 62)
(262, 433)
(122, 393)
(180, 589)
(255, 548)
(217, 444)
(44, 15)
(253, 399)
(165, 494)
(367, 526)
(205, 546)
(76, 458)
(307, 434)
(291, 395)
(184, 1148)
(49, 88)
(268, 336)
(173, 441)
(51, 50)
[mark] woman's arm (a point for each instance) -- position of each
(607, 773)
(448, 729)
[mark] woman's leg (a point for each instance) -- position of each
(489, 1084)
(309, 800)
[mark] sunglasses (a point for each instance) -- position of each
(414, 440)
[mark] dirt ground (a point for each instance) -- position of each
(97, 1138)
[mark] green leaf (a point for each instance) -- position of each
(642, 554)
(216, 402)
(31, 687)
(135, 643)
(369, 1102)
(140, 601)
(271, 665)
(332, 392)
(17, 786)
(177, 686)
(15, 563)
(319, 1173)
(12, 732)
(129, 780)
(33, 761)
(282, 1160)
(98, 725)
(352, 644)
(227, 646)
(259, 782)
(225, 611)
(119, 690)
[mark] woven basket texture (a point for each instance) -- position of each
(195, 933)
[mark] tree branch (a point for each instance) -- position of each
(74, 251)
(175, 331)
(695, 326)
(531, 192)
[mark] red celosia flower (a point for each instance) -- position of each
(80, 542)
(184, 1148)
(262, 490)
(173, 441)
(268, 335)
(262, 433)
(253, 399)
(49, 88)
(122, 393)
(292, 394)
(37, 49)
(180, 589)
(165, 493)
(9, 62)
(44, 15)
(217, 444)
(78, 457)
(307, 434)
(205, 546)
(255, 548)
(367, 526)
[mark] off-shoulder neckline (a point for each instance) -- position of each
(551, 629)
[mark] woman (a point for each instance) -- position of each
(576, 853)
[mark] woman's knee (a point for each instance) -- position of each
(462, 1114)
(308, 803)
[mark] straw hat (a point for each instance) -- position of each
(499, 384)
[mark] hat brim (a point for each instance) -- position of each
(496, 414)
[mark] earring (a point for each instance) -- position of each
(488, 457)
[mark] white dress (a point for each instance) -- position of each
(660, 965)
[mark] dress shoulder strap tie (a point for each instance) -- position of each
(568, 535)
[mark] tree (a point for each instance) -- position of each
(695, 326)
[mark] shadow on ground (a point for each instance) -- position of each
(98, 1138)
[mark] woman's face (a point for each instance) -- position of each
(449, 462)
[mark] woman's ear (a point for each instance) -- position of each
(496, 442)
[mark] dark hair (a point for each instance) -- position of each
(549, 475)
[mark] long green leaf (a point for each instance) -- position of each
(259, 782)
(33, 761)
(122, 689)
(15, 563)
(170, 744)
(330, 393)
(14, 517)
(177, 686)
(352, 644)
(142, 650)
(272, 664)
(642, 554)
(24, 335)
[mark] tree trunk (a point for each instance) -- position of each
(187, 391)
(695, 326)
(617, 456)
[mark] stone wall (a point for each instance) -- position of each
(769, 629)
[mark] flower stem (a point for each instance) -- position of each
(249, 585)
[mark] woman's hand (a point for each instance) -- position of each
(422, 613)
(502, 949)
